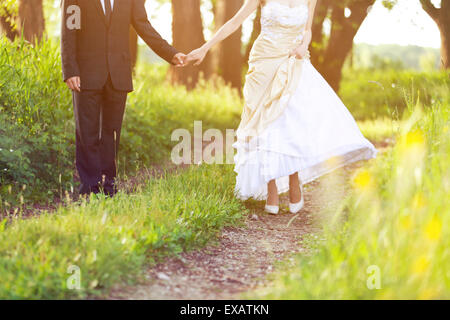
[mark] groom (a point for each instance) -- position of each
(96, 66)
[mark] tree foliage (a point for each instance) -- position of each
(23, 17)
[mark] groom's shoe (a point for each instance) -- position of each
(110, 188)
(86, 190)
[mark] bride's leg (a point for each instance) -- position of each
(272, 194)
(295, 194)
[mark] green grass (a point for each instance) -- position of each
(394, 227)
(380, 130)
(156, 109)
(112, 240)
(372, 94)
(36, 126)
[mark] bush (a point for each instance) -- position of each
(36, 132)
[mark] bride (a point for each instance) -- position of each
(294, 128)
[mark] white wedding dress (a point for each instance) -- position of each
(313, 135)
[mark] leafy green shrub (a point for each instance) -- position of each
(36, 132)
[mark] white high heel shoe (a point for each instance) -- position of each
(296, 207)
(272, 209)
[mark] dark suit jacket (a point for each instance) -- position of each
(97, 50)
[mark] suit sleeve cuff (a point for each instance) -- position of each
(68, 75)
(170, 55)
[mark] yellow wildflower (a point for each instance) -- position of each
(414, 139)
(421, 265)
(362, 180)
(433, 228)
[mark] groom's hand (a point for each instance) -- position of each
(196, 56)
(179, 60)
(74, 84)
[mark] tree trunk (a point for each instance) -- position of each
(442, 18)
(31, 19)
(317, 42)
(340, 44)
(445, 44)
(188, 35)
(229, 52)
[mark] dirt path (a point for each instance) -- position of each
(244, 256)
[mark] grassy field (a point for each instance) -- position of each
(110, 241)
(373, 94)
(391, 237)
(380, 130)
(156, 109)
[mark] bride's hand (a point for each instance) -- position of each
(197, 56)
(300, 52)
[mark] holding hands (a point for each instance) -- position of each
(179, 60)
(196, 57)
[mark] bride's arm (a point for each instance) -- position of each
(302, 49)
(225, 31)
(308, 31)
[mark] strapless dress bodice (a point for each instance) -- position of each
(281, 22)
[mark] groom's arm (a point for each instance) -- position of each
(145, 30)
(70, 67)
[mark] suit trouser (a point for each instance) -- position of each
(98, 117)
